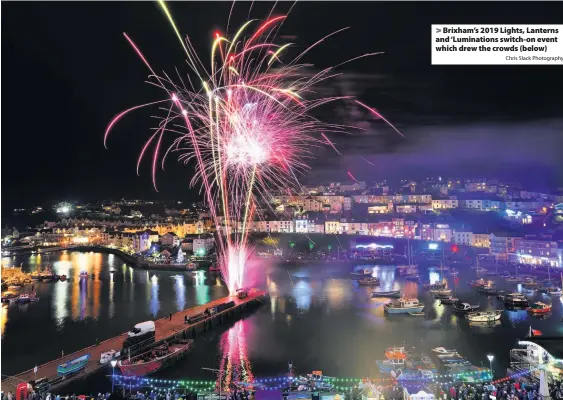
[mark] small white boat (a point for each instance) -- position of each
(443, 352)
(484, 316)
(554, 291)
(108, 356)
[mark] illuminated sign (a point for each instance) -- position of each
(432, 246)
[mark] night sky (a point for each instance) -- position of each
(67, 70)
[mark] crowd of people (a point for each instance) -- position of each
(508, 390)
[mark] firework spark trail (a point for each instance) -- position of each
(247, 127)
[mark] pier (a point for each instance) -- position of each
(165, 329)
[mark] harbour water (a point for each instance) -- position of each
(316, 317)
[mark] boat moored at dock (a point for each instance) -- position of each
(391, 293)
(484, 316)
(73, 366)
(155, 358)
(403, 306)
(539, 308)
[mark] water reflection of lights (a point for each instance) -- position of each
(154, 302)
(303, 295)
(335, 292)
(180, 290)
(4, 319)
(517, 315)
(235, 365)
(111, 308)
(434, 277)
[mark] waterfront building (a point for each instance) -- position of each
(538, 353)
(442, 233)
(143, 240)
(502, 245)
(481, 240)
(463, 238)
(538, 251)
(170, 239)
(445, 204)
(202, 245)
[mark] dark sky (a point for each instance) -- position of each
(67, 70)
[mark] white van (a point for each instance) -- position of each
(142, 329)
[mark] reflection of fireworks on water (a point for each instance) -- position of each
(235, 365)
(245, 123)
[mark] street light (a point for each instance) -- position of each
(491, 357)
(113, 364)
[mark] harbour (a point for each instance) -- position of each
(308, 308)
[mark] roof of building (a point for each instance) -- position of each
(171, 233)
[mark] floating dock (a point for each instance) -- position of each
(165, 328)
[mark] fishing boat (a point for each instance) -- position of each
(449, 300)
(361, 274)
(403, 306)
(465, 307)
(484, 316)
(390, 293)
(155, 359)
(515, 299)
(530, 283)
(539, 308)
(395, 359)
(441, 292)
(434, 286)
(369, 281)
(443, 352)
(84, 275)
(73, 366)
(478, 282)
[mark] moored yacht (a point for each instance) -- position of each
(404, 306)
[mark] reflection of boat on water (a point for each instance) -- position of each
(366, 272)
(515, 299)
(434, 286)
(484, 316)
(391, 293)
(416, 314)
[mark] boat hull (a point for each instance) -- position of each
(394, 310)
(141, 369)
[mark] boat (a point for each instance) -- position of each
(554, 291)
(443, 352)
(23, 298)
(434, 286)
(416, 314)
(465, 307)
(73, 366)
(403, 306)
(441, 292)
(390, 293)
(395, 359)
(155, 359)
(484, 316)
(9, 297)
(396, 352)
(513, 279)
(478, 282)
(515, 299)
(192, 265)
(530, 283)
(413, 278)
(539, 308)
(84, 275)
(449, 300)
(361, 274)
(369, 281)
(107, 356)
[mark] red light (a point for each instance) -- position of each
(455, 249)
(217, 34)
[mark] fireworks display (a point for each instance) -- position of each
(245, 122)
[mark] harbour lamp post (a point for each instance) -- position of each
(113, 364)
(218, 372)
(491, 357)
